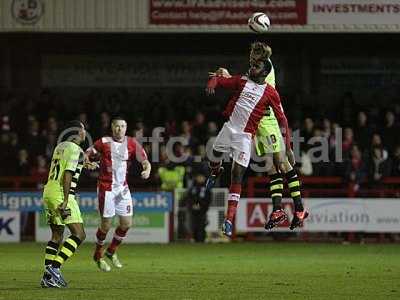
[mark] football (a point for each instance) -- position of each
(259, 22)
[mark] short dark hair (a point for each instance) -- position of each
(117, 118)
(71, 128)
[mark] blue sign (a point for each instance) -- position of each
(32, 201)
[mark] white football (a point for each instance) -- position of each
(259, 22)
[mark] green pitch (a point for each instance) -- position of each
(212, 271)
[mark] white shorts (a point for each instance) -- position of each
(118, 201)
(237, 143)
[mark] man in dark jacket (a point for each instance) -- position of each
(197, 202)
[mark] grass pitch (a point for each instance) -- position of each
(211, 271)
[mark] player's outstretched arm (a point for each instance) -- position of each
(90, 165)
(146, 169)
(93, 153)
(220, 72)
(231, 83)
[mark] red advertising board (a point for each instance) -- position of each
(225, 12)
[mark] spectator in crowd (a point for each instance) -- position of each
(380, 166)
(51, 127)
(40, 168)
(390, 132)
(186, 134)
(374, 117)
(307, 132)
(34, 142)
(348, 140)
(104, 124)
(51, 141)
(199, 128)
(23, 166)
(139, 130)
(319, 154)
(24, 125)
(7, 153)
(5, 123)
(376, 142)
(356, 170)
(83, 118)
(171, 176)
(326, 127)
(362, 132)
(40, 171)
(212, 130)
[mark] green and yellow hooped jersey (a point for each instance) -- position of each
(67, 156)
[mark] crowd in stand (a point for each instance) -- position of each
(369, 138)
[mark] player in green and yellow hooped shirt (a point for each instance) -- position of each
(60, 205)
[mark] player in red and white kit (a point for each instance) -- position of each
(250, 99)
(115, 153)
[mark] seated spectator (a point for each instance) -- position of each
(326, 127)
(348, 140)
(362, 132)
(40, 169)
(23, 167)
(356, 168)
(212, 130)
(376, 142)
(186, 134)
(318, 153)
(379, 166)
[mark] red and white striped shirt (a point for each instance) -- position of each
(115, 158)
(249, 102)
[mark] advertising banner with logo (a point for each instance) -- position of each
(151, 217)
(326, 214)
(353, 12)
(9, 226)
(232, 12)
